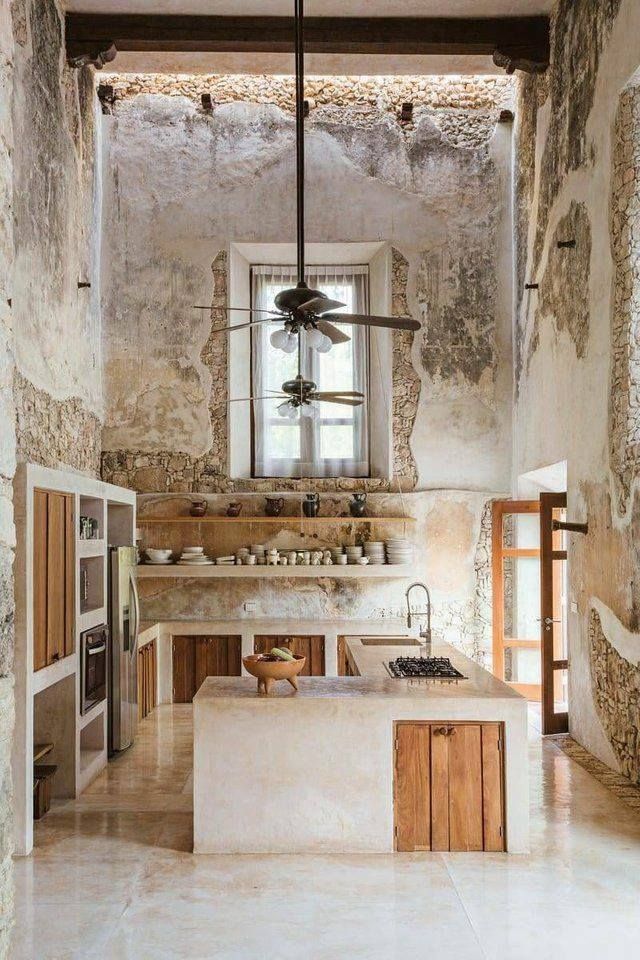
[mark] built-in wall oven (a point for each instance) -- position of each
(93, 666)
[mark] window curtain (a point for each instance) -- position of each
(335, 443)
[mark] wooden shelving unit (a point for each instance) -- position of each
(274, 521)
(383, 571)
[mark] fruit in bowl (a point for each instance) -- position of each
(269, 667)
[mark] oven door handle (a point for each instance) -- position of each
(91, 651)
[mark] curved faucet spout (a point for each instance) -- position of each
(425, 632)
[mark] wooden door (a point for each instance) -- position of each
(197, 657)
(516, 591)
(448, 788)
(147, 688)
(555, 662)
(311, 647)
(53, 577)
(218, 656)
(184, 669)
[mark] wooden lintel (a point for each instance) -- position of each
(513, 42)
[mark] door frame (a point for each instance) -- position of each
(550, 553)
(501, 508)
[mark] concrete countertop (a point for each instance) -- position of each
(373, 680)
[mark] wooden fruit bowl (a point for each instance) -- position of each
(267, 671)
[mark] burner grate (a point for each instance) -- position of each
(426, 668)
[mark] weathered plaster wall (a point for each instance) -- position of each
(451, 528)
(7, 467)
(180, 184)
(576, 342)
(58, 384)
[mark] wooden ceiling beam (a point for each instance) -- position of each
(516, 43)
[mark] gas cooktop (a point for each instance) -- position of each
(423, 668)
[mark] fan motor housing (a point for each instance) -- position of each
(289, 300)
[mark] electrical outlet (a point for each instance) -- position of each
(574, 606)
(250, 606)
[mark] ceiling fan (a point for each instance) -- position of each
(298, 395)
(300, 307)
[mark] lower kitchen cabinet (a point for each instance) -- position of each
(197, 657)
(311, 647)
(448, 786)
(147, 673)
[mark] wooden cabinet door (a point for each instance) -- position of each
(53, 577)
(198, 657)
(39, 579)
(184, 669)
(311, 647)
(218, 656)
(448, 791)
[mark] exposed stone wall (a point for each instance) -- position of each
(625, 242)
(181, 472)
(56, 214)
(576, 392)
(193, 181)
(7, 468)
(616, 685)
(55, 433)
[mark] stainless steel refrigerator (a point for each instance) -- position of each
(124, 625)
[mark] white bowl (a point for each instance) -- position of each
(158, 554)
(193, 549)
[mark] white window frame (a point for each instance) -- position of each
(377, 254)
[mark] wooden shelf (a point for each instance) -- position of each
(273, 520)
(383, 571)
(41, 750)
(90, 548)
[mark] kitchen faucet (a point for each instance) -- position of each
(425, 632)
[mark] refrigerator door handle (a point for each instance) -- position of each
(136, 607)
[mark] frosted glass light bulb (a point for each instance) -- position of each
(309, 410)
(283, 409)
(291, 343)
(325, 345)
(292, 412)
(314, 337)
(279, 339)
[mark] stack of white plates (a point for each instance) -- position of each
(399, 551)
(194, 557)
(374, 551)
(353, 553)
(336, 552)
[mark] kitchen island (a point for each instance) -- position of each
(364, 763)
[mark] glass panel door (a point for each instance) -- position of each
(516, 595)
(553, 607)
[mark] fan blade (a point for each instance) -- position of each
(394, 323)
(320, 306)
(242, 326)
(335, 335)
(274, 313)
(326, 394)
(344, 400)
(245, 399)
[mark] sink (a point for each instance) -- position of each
(390, 642)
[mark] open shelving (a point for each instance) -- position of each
(383, 571)
(274, 521)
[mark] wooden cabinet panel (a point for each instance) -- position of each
(53, 576)
(492, 787)
(39, 579)
(465, 787)
(412, 810)
(453, 799)
(147, 669)
(439, 788)
(198, 657)
(184, 669)
(309, 646)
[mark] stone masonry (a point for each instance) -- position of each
(625, 244)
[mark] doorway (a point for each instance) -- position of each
(529, 565)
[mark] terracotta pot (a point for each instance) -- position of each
(198, 508)
(268, 671)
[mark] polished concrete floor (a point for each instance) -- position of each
(111, 877)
